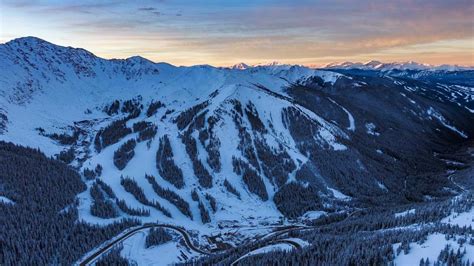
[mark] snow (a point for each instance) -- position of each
(433, 113)
(382, 186)
(327, 136)
(268, 249)
(61, 93)
(300, 241)
(370, 127)
(178, 88)
(409, 65)
(240, 66)
(272, 248)
(103, 245)
(166, 254)
(461, 219)
(250, 210)
(437, 241)
(351, 120)
(329, 76)
(339, 195)
(179, 85)
(328, 131)
(311, 215)
(405, 213)
(430, 249)
(6, 200)
(349, 116)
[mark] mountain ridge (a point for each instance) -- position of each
(370, 65)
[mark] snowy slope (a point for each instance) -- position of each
(61, 89)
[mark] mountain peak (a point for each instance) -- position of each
(28, 40)
(139, 59)
(374, 63)
(240, 66)
(274, 63)
(271, 64)
(31, 43)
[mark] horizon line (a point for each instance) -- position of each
(267, 63)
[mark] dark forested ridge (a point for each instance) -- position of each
(41, 227)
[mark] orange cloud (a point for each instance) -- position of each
(224, 33)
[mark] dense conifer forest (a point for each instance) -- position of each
(364, 237)
(40, 226)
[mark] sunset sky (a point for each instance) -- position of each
(225, 32)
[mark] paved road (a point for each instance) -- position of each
(286, 229)
(280, 231)
(274, 242)
(91, 258)
(283, 230)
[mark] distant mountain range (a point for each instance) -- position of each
(410, 65)
(371, 65)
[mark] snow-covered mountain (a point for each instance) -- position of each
(62, 90)
(371, 65)
(211, 148)
(409, 65)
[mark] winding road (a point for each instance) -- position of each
(95, 255)
(87, 260)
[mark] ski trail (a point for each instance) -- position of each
(349, 116)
